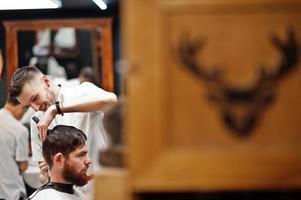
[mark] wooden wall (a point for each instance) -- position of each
(213, 94)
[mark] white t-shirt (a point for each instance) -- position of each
(52, 194)
(13, 147)
(90, 122)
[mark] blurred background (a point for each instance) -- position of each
(210, 90)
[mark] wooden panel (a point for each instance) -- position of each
(176, 136)
(112, 183)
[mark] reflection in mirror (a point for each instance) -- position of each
(64, 49)
(61, 53)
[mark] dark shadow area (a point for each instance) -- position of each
(242, 195)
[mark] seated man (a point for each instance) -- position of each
(65, 152)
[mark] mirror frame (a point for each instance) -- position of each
(105, 54)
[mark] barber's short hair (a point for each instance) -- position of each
(62, 139)
(20, 78)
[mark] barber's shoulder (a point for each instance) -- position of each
(87, 84)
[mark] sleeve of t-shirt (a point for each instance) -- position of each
(22, 145)
(88, 91)
(36, 144)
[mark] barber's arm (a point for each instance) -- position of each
(90, 106)
(87, 103)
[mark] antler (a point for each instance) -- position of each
(241, 106)
(289, 50)
(188, 50)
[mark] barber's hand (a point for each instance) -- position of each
(44, 176)
(45, 121)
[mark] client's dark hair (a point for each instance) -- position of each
(62, 139)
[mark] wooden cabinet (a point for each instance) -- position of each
(213, 94)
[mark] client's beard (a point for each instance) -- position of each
(71, 176)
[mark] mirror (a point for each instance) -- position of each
(61, 48)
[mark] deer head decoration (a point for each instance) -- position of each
(241, 107)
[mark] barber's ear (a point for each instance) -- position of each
(58, 159)
(45, 80)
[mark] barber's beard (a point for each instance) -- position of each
(50, 96)
(70, 175)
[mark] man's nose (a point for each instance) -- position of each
(34, 106)
(88, 161)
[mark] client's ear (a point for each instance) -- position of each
(58, 160)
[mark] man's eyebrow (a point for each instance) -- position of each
(31, 99)
(82, 152)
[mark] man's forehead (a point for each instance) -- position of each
(82, 148)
